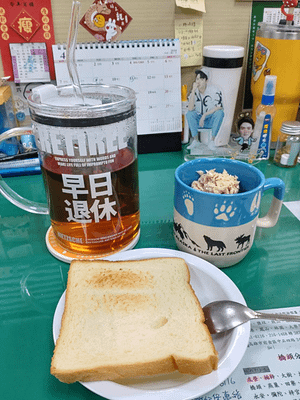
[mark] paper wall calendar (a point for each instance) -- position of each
(151, 68)
(29, 62)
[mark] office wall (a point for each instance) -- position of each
(225, 22)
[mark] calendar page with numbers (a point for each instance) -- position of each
(29, 62)
(150, 67)
(270, 368)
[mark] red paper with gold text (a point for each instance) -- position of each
(25, 22)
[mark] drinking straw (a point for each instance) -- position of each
(70, 51)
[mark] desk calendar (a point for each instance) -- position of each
(150, 67)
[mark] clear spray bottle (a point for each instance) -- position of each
(265, 113)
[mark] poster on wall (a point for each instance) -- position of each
(26, 22)
(105, 20)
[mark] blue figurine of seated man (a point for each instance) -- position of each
(205, 107)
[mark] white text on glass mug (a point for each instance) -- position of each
(92, 142)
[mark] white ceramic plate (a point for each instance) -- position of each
(209, 284)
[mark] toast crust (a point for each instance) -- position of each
(151, 302)
(124, 371)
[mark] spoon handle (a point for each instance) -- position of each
(277, 317)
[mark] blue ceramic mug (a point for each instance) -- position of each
(220, 228)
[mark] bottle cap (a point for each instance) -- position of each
(269, 90)
(291, 128)
(284, 159)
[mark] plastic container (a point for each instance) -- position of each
(288, 144)
(277, 52)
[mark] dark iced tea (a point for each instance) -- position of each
(96, 212)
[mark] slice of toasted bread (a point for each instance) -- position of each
(128, 319)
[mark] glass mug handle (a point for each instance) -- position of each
(11, 195)
(271, 218)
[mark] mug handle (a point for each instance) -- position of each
(11, 195)
(271, 218)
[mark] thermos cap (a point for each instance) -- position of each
(223, 51)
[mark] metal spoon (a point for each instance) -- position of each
(221, 316)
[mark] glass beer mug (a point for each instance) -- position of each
(88, 156)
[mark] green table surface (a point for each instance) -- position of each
(32, 280)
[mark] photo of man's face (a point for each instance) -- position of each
(201, 83)
(246, 130)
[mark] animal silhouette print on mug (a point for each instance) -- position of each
(220, 228)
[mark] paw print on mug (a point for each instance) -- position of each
(225, 212)
(255, 204)
(188, 202)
